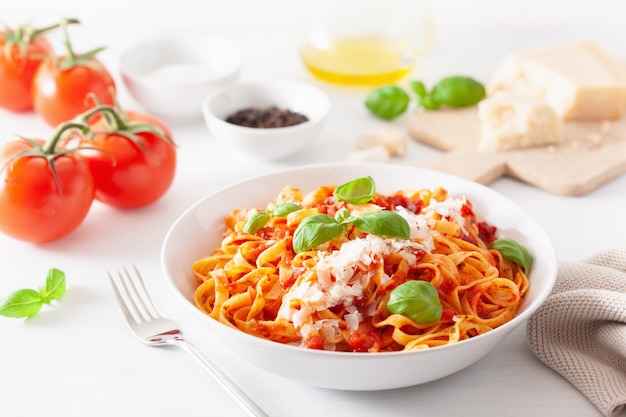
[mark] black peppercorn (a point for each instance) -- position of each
(266, 118)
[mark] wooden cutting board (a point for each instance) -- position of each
(591, 154)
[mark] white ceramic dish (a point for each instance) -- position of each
(266, 143)
(199, 229)
(170, 76)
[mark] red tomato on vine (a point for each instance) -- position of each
(21, 52)
(45, 193)
(65, 86)
(135, 158)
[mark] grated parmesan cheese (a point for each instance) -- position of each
(450, 208)
(341, 275)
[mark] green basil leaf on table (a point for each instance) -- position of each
(424, 98)
(55, 286)
(387, 102)
(418, 88)
(428, 102)
(458, 91)
(21, 303)
(27, 302)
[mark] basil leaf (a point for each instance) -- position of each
(256, 222)
(21, 303)
(417, 300)
(284, 209)
(514, 252)
(343, 216)
(315, 230)
(260, 218)
(458, 91)
(428, 102)
(359, 191)
(384, 223)
(387, 102)
(55, 286)
(27, 302)
(418, 88)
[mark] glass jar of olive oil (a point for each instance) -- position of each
(364, 42)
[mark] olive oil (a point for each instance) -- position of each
(362, 60)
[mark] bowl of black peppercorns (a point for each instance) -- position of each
(268, 120)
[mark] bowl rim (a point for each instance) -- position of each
(267, 84)
(235, 55)
(549, 257)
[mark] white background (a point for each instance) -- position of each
(78, 359)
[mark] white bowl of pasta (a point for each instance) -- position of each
(346, 276)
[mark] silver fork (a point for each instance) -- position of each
(151, 328)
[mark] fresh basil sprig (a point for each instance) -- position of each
(358, 191)
(514, 252)
(389, 102)
(417, 300)
(27, 302)
(260, 218)
(321, 228)
(456, 91)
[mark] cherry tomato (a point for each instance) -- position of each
(43, 196)
(21, 52)
(64, 88)
(135, 162)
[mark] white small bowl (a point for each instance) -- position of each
(200, 229)
(170, 76)
(266, 143)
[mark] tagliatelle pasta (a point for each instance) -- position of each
(335, 295)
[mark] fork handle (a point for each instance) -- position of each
(250, 407)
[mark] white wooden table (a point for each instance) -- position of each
(78, 358)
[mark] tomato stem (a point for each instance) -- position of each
(117, 122)
(25, 34)
(68, 44)
(50, 147)
(34, 32)
(111, 114)
(73, 59)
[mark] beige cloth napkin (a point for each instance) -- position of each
(580, 330)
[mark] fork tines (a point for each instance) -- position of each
(131, 293)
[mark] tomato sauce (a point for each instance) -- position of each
(391, 202)
(368, 341)
(487, 232)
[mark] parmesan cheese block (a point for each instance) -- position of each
(511, 121)
(578, 80)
